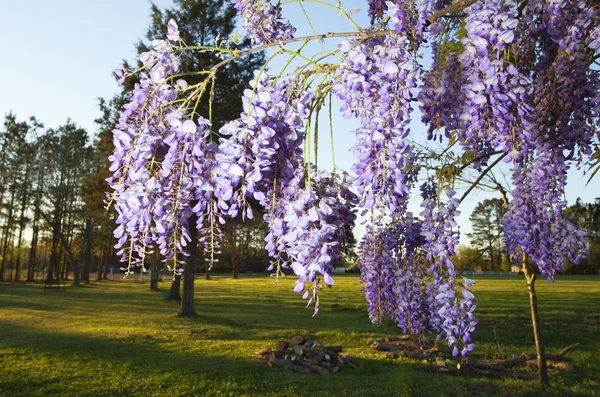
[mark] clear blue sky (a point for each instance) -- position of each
(59, 56)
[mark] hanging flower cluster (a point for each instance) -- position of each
(162, 166)
(260, 157)
(263, 21)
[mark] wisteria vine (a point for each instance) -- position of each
(504, 77)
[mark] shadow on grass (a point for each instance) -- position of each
(167, 368)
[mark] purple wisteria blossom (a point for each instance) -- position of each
(535, 223)
(263, 21)
(309, 213)
(162, 166)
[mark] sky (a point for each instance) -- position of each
(60, 54)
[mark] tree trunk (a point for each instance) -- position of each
(492, 257)
(77, 267)
(53, 263)
(35, 226)
(88, 253)
(107, 261)
(33, 250)
(537, 326)
(206, 271)
(8, 226)
(187, 300)
(174, 294)
(235, 273)
(155, 270)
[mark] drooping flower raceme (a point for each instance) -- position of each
(263, 21)
(162, 166)
(260, 157)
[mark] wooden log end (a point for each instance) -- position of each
(281, 345)
(298, 340)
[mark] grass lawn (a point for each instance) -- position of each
(117, 338)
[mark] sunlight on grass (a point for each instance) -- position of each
(120, 339)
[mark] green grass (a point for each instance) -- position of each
(119, 339)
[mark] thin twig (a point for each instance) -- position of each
(459, 5)
(481, 176)
(483, 156)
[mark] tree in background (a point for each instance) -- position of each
(487, 223)
(468, 258)
(587, 215)
(40, 190)
(66, 158)
(18, 167)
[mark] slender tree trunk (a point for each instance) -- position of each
(35, 225)
(106, 262)
(187, 300)
(154, 270)
(9, 221)
(537, 325)
(174, 294)
(492, 256)
(53, 263)
(235, 266)
(32, 250)
(22, 223)
(88, 253)
(206, 271)
(84, 241)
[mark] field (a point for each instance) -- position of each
(117, 338)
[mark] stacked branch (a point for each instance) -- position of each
(305, 356)
(404, 347)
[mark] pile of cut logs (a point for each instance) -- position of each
(305, 356)
(443, 362)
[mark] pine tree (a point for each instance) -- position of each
(486, 220)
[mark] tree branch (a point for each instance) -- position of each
(459, 5)
(476, 159)
(480, 177)
(61, 236)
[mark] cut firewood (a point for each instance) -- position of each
(319, 370)
(409, 354)
(262, 352)
(384, 347)
(318, 358)
(307, 357)
(318, 344)
(512, 362)
(476, 372)
(470, 363)
(336, 348)
(298, 340)
(562, 366)
(281, 345)
(396, 339)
